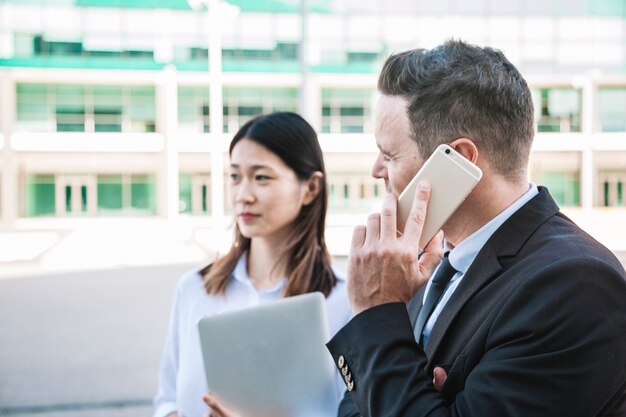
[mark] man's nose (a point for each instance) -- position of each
(379, 170)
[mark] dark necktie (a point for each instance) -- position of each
(440, 281)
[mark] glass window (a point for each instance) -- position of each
(347, 110)
(109, 193)
(184, 193)
(557, 109)
(612, 109)
(564, 187)
(34, 108)
(611, 183)
(68, 198)
(249, 110)
(40, 195)
(142, 109)
(107, 108)
(70, 108)
(126, 194)
(242, 104)
(142, 193)
(193, 109)
(287, 51)
(76, 108)
(24, 45)
(362, 56)
(205, 198)
(352, 193)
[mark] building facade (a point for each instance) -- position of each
(123, 108)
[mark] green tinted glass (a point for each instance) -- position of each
(40, 195)
(142, 192)
(109, 193)
(612, 109)
(184, 193)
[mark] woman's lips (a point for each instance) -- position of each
(248, 217)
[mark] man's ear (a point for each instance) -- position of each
(313, 187)
(467, 148)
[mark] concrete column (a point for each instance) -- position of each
(216, 113)
(312, 112)
(309, 95)
(587, 168)
(167, 110)
(9, 196)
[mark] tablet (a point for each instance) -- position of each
(271, 359)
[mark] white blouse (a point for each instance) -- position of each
(182, 381)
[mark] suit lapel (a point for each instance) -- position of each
(482, 270)
(415, 305)
(506, 241)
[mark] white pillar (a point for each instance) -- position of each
(308, 102)
(216, 113)
(8, 187)
(167, 110)
(587, 167)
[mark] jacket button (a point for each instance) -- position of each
(341, 361)
(350, 386)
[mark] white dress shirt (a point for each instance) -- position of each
(463, 255)
(182, 381)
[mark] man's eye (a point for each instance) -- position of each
(386, 158)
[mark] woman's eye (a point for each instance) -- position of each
(262, 178)
(234, 177)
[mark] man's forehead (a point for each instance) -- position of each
(392, 122)
(391, 112)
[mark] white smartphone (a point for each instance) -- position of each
(452, 177)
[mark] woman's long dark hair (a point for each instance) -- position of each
(307, 260)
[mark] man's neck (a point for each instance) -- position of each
(486, 201)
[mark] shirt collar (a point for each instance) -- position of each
(462, 256)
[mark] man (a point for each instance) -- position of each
(532, 320)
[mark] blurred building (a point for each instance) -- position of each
(109, 107)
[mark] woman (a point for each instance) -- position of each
(279, 196)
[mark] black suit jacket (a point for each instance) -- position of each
(537, 327)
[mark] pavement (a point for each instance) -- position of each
(84, 307)
(84, 343)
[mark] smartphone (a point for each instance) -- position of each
(452, 177)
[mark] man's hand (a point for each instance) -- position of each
(439, 378)
(384, 267)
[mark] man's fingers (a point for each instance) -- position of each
(439, 378)
(388, 218)
(432, 255)
(417, 215)
(358, 238)
(436, 243)
(373, 229)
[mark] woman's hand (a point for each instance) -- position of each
(219, 409)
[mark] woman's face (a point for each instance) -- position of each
(265, 193)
